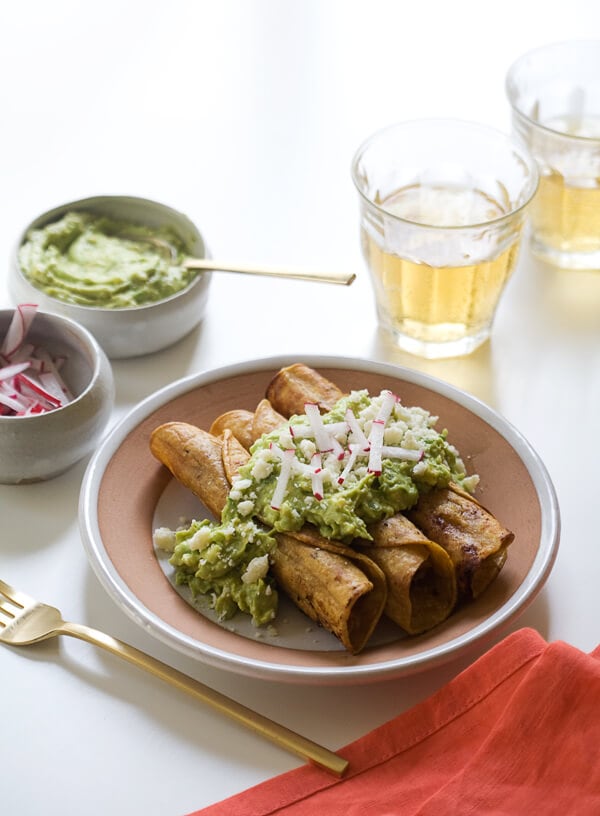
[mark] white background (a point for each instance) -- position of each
(245, 115)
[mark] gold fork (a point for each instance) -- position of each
(24, 620)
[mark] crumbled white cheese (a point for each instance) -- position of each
(242, 484)
(285, 438)
(471, 482)
(411, 441)
(164, 539)
(201, 538)
(245, 508)
(394, 434)
(256, 569)
(419, 469)
(262, 468)
(307, 448)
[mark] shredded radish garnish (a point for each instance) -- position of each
(50, 376)
(29, 379)
(354, 451)
(19, 326)
(376, 443)
(321, 436)
(326, 441)
(342, 448)
(306, 432)
(29, 388)
(378, 430)
(13, 402)
(357, 432)
(387, 406)
(8, 372)
(287, 459)
(317, 476)
(393, 452)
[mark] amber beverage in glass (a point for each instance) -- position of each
(442, 211)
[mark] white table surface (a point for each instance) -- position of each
(245, 115)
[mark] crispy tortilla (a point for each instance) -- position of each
(419, 573)
(248, 426)
(241, 420)
(333, 589)
(473, 538)
(195, 459)
(294, 386)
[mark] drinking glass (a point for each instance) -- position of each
(442, 208)
(554, 92)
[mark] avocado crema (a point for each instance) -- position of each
(365, 460)
(91, 260)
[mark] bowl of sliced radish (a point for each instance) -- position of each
(56, 394)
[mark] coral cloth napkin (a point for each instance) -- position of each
(516, 733)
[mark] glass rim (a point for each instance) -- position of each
(509, 79)
(530, 188)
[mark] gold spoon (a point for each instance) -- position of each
(209, 264)
(343, 278)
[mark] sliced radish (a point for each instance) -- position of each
(7, 372)
(376, 443)
(307, 432)
(378, 430)
(326, 442)
(393, 452)
(13, 401)
(25, 353)
(357, 432)
(387, 406)
(354, 449)
(29, 387)
(18, 328)
(317, 476)
(288, 457)
(51, 369)
(30, 382)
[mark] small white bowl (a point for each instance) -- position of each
(39, 447)
(131, 331)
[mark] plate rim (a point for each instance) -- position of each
(120, 593)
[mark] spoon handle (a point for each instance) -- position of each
(344, 278)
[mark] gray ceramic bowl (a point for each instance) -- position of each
(34, 448)
(131, 331)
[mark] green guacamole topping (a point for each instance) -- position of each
(96, 261)
(320, 471)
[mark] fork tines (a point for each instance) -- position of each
(11, 602)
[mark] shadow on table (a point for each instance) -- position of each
(472, 373)
(567, 299)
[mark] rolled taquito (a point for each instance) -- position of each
(195, 459)
(292, 387)
(472, 536)
(343, 591)
(420, 574)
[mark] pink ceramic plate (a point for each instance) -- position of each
(126, 493)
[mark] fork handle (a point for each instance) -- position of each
(279, 734)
